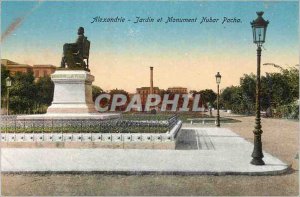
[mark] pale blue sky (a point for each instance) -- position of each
(54, 23)
(51, 24)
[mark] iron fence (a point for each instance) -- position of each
(125, 124)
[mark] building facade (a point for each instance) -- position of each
(145, 91)
(38, 70)
(177, 90)
(43, 70)
(14, 67)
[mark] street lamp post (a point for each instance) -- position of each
(8, 84)
(218, 80)
(259, 28)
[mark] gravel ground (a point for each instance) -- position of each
(280, 138)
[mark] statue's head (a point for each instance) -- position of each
(80, 31)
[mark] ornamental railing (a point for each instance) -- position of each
(125, 124)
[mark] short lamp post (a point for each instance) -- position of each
(218, 80)
(8, 85)
(259, 28)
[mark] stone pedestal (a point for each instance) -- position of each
(72, 92)
(72, 98)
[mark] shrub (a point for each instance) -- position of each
(290, 111)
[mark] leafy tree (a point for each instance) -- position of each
(292, 77)
(118, 91)
(248, 85)
(4, 75)
(193, 92)
(237, 100)
(96, 91)
(266, 92)
(44, 96)
(45, 90)
(208, 96)
(23, 93)
(226, 97)
(290, 111)
(278, 90)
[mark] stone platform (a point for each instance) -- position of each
(217, 151)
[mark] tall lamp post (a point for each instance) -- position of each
(8, 84)
(218, 80)
(259, 28)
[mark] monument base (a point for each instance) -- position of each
(72, 98)
(72, 92)
(69, 108)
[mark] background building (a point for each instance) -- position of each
(38, 70)
(15, 67)
(145, 91)
(177, 90)
(43, 70)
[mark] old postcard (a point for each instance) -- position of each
(149, 98)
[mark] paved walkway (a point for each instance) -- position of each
(215, 151)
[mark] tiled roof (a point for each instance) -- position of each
(8, 62)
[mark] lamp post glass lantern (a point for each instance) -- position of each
(218, 78)
(259, 29)
(8, 85)
(218, 81)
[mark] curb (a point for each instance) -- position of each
(180, 173)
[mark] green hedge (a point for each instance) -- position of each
(290, 111)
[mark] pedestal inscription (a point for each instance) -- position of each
(72, 92)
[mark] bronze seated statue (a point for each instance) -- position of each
(75, 54)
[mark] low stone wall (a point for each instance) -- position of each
(92, 140)
(110, 145)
